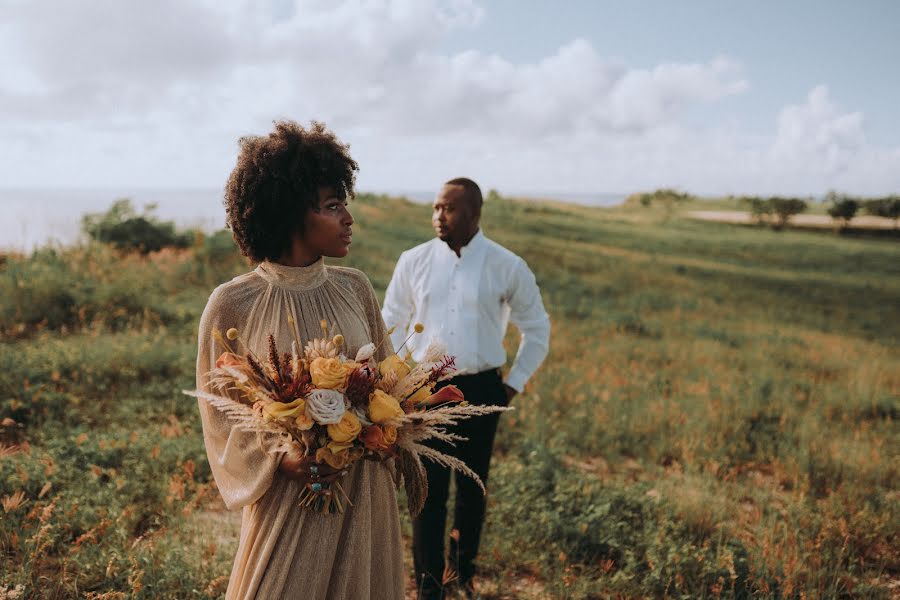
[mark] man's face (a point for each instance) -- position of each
(453, 218)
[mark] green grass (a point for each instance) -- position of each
(716, 418)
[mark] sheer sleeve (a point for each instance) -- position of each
(375, 321)
(243, 470)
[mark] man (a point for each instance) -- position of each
(464, 288)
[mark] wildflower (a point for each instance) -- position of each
(14, 501)
(232, 334)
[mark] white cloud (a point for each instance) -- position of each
(129, 92)
(816, 134)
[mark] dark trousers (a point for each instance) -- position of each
(484, 388)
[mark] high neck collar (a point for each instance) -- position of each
(295, 278)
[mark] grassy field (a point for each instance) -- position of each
(717, 416)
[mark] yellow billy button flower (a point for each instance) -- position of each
(419, 328)
(345, 431)
(231, 334)
(383, 407)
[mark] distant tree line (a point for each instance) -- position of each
(775, 210)
(842, 207)
(778, 210)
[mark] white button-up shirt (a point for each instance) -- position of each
(467, 301)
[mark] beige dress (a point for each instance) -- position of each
(286, 551)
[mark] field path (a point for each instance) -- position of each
(812, 221)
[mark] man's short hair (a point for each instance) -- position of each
(472, 192)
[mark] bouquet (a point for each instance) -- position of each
(317, 402)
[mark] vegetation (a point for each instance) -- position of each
(717, 416)
(124, 229)
(842, 208)
(887, 207)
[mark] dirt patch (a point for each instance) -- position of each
(810, 221)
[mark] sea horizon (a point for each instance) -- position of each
(36, 217)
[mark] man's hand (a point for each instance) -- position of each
(510, 393)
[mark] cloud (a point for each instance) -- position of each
(816, 134)
(158, 93)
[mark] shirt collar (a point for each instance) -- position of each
(472, 248)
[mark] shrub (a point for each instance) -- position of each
(123, 228)
(843, 209)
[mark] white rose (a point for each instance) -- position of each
(326, 407)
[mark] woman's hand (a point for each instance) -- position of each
(306, 470)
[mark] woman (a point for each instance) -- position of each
(286, 202)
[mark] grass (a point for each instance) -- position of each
(716, 418)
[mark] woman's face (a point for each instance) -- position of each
(327, 228)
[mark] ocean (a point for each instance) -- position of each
(30, 218)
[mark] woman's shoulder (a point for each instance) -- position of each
(353, 280)
(348, 275)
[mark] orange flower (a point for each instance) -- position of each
(378, 438)
(448, 393)
(229, 359)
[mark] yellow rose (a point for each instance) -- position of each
(383, 407)
(390, 434)
(330, 373)
(394, 364)
(346, 430)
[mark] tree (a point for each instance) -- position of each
(887, 207)
(785, 208)
(760, 209)
(122, 227)
(843, 208)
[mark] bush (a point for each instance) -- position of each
(843, 208)
(785, 208)
(79, 287)
(123, 228)
(887, 207)
(782, 209)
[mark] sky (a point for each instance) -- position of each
(526, 97)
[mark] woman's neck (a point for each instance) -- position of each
(298, 256)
